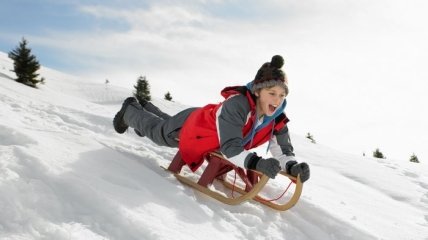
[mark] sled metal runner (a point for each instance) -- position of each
(217, 169)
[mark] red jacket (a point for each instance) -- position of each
(199, 136)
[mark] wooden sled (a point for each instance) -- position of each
(218, 167)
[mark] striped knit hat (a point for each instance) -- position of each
(270, 74)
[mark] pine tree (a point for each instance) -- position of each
(168, 96)
(142, 90)
(310, 137)
(25, 64)
(414, 158)
(378, 154)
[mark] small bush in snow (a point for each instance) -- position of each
(25, 64)
(310, 137)
(378, 154)
(142, 89)
(414, 158)
(168, 96)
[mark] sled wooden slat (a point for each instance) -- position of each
(280, 207)
(227, 200)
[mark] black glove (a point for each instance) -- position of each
(270, 167)
(293, 168)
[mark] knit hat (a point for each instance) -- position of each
(270, 74)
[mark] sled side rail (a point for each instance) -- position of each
(227, 200)
(280, 207)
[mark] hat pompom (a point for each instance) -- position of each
(277, 61)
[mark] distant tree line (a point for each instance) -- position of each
(26, 65)
(378, 154)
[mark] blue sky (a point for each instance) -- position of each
(43, 18)
(358, 66)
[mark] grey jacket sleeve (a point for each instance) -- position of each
(284, 141)
(231, 118)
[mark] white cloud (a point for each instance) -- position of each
(152, 19)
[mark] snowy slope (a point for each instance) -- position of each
(65, 174)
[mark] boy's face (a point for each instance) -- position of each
(269, 99)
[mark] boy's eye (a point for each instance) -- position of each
(274, 94)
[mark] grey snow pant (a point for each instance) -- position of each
(163, 132)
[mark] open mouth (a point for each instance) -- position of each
(272, 108)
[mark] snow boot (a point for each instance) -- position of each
(118, 122)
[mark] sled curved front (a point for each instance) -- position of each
(280, 207)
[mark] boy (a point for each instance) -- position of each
(250, 116)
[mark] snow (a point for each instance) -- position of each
(66, 174)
